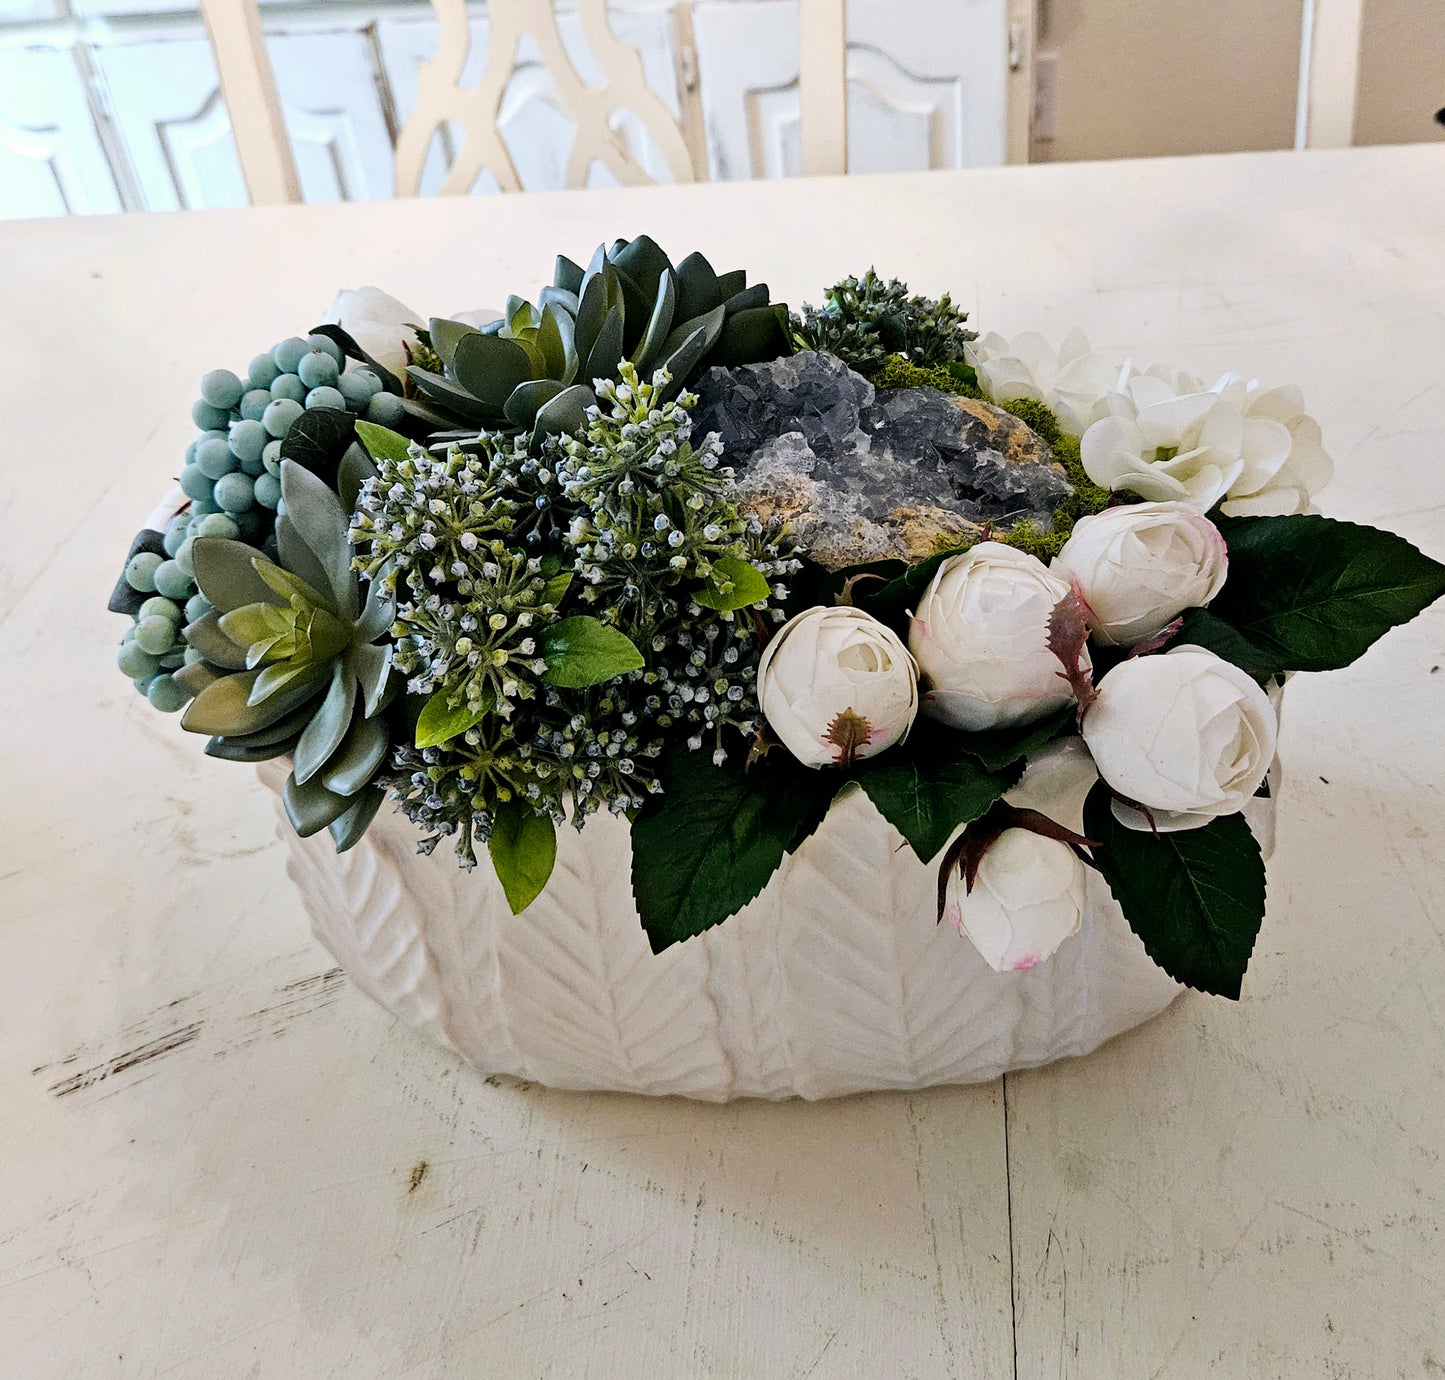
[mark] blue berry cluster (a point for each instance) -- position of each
(232, 479)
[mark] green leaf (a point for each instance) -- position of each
(355, 469)
(751, 334)
(382, 443)
(555, 588)
(207, 637)
(606, 351)
(658, 326)
(227, 576)
(523, 846)
(1308, 593)
(451, 395)
(489, 367)
(998, 747)
(322, 523)
(257, 623)
(224, 707)
(286, 585)
(580, 651)
(311, 807)
(527, 399)
(697, 288)
(357, 759)
(446, 335)
(299, 566)
(927, 787)
(1195, 897)
(346, 829)
(440, 721)
(317, 440)
(748, 586)
(708, 844)
(567, 412)
(329, 724)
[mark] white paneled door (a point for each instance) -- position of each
(110, 105)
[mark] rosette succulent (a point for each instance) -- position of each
(533, 369)
(299, 669)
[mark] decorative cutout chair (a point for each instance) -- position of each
(249, 88)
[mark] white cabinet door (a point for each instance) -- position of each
(926, 85)
(165, 100)
(330, 98)
(51, 161)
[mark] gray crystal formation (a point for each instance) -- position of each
(861, 475)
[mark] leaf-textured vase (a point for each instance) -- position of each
(836, 979)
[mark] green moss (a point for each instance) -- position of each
(897, 372)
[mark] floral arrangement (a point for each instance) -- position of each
(492, 567)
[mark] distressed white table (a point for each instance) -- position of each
(216, 1160)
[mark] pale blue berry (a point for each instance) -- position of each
(222, 389)
(254, 402)
(215, 458)
(166, 694)
(171, 580)
(290, 387)
(278, 417)
(155, 635)
(287, 355)
(325, 397)
(262, 372)
(235, 492)
(140, 572)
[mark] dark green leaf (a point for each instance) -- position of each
(556, 339)
(329, 724)
(371, 665)
(124, 599)
(748, 586)
(298, 560)
(927, 787)
(354, 470)
(489, 367)
(317, 440)
(567, 412)
(581, 651)
(684, 349)
(223, 708)
(346, 829)
(357, 758)
(730, 284)
(242, 750)
(748, 298)
(194, 676)
(452, 396)
(352, 350)
(998, 747)
(1195, 897)
(697, 289)
(1308, 593)
(523, 848)
(642, 259)
(752, 334)
(311, 807)
(208, 637)
(708, 844)
(606, 351)
(650, 347)
(567, 275)
(528, 399)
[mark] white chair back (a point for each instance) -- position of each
(249, 88)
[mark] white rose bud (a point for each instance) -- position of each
(1186, 734)
(383, 326)
(980, 636)
(836, 684)
(1141, 565)
(1027, 898)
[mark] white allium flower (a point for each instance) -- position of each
(832, 661)
(980, 636)
(1140, 565)
(1027, 898)
(1186, 734)
(1073, 382)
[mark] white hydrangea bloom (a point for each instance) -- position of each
(1073, 382)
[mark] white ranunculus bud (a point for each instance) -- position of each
(1141, 565)
(980, 637)
(835, 683)
(1186, 734)
(1027, 898)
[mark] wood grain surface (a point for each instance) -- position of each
(217, 1159)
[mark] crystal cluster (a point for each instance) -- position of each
(860, 474)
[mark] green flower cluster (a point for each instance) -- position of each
(497, 556)
(866, 321)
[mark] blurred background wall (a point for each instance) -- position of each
(110, 105)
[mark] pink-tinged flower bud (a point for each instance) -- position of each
(980, 637)
(1141, 565)
(1027, 898)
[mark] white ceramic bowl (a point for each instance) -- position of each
(836, 979)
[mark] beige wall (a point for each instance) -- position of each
(1142, 77)
(1402, 72)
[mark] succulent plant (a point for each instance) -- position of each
(866, 321)
(532, 371)
(300, 668)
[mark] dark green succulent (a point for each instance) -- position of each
(533, 370)
(867, 321)
(300, 671)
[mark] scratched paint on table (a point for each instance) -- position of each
(215, 1021)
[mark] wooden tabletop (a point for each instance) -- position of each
(217, 1159)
